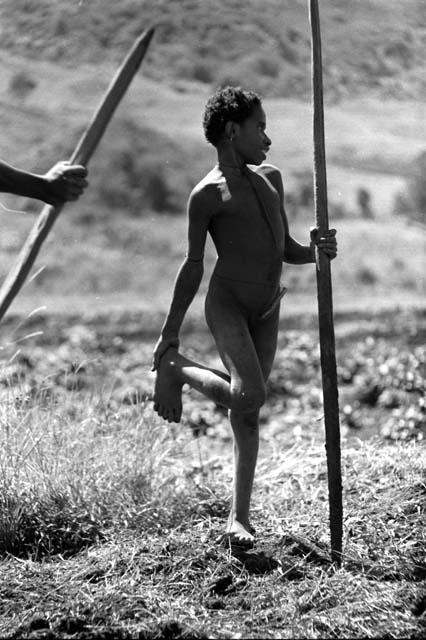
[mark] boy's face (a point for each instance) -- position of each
(251, 141)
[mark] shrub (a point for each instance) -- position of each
(35, 526)
(417, 184)
(22, 84)
(202, 72)
(266, 65)
(366, 275)
(141, 169)
(364, 203)
(413, 201)
(305, 188)
(399, 52)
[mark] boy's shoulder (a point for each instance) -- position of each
(271, 174)
(207, 188)
(267, 170)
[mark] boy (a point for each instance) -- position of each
(243, 210)
(61, 183)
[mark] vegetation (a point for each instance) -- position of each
(112, 518)
(236, 42)
(413, 201)
(109, 519)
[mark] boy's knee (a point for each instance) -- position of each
(248, 401)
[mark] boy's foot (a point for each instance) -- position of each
(168, 388)
(238, 536)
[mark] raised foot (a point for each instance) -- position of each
(168, 388)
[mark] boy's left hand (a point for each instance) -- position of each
(326, 242)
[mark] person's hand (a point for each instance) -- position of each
(326, 242)
(160, 349)
(64, 181)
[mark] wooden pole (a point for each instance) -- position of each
(81, 155)
(325, 300)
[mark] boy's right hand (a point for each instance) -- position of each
(160, 349)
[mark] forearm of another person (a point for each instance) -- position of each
(21, 183)
(61, 183)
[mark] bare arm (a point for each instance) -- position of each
(186, 286)
(62, 182)
(294, 252)
(189, 276)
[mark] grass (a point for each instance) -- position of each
(109, 518)
(157, 500)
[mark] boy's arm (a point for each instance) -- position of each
(62, 182)
(189, 275)
(294, 252)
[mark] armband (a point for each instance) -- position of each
(195, 259)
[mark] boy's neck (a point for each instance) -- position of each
(228, 157)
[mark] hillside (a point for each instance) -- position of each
(375, 46)
(57, 60)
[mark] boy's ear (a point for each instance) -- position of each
(231, 129)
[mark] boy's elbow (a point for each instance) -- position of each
(194, 268)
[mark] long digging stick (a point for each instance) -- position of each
(81, 155)
(325, 300)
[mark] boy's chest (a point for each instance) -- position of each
(251, 205)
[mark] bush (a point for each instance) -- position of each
(35, 526)
(364, 203)
(22, 84)
(413, 201)
(366, 276)
(266, 65)
(305, 188)
(202, 72)
(135, 184)
(417, 184)
(140, 170)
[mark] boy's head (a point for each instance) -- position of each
(230, 104)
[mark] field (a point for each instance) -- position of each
(109, 518)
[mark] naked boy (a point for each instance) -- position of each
(243, 210)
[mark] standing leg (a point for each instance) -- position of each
(242, 391)
(246, 436)
(245, 427)
(239, 356)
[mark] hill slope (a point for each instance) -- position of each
(368, 45)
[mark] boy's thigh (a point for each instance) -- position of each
(264, 334)
(234, 343)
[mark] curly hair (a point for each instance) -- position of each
(227, 104)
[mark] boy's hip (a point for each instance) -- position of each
(253, 299)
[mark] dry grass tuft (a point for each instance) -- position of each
(156, 499)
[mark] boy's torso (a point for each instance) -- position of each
(246, 225)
